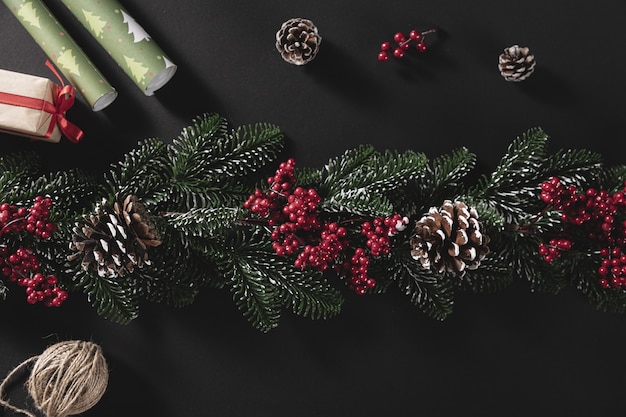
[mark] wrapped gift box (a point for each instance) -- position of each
(30, 106)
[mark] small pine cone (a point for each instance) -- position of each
(449, 239)
(298, 41)
(116, 238)
(516, 63)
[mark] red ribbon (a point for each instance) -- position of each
(63, 100)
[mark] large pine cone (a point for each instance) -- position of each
(116, 238)
(298, 41)
(449, 239)
(516, 63)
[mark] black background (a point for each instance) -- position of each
(511, 353)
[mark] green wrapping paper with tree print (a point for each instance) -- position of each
(126, 41)
(63, 51)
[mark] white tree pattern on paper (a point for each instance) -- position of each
(135, 28)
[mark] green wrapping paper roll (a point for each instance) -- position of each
(126, 41)
(68, 57)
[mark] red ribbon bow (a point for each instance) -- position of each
(63, 101)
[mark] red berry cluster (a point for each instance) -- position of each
(552, 250)
(597, 217)
(332, 242)
(612, 270)
(356, 268)
(403, 44)
(378, 231)
(33, 220)
(22, 265)
(298, 230)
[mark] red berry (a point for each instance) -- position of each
(399, 37)
(383, 56)
(415, 35)
(398, 52)
(385, 46)
(421, 46)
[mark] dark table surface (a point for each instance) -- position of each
(511, 353)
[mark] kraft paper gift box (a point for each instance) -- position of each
(34, 107)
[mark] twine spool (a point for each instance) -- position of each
(68, 378)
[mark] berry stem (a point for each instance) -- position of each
(12, 222)
(527, 228)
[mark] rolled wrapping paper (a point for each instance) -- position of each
(68, 57)
(126, 41)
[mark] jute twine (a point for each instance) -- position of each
(68, 378)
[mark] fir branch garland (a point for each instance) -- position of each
(170, 219)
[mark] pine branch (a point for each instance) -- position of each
(306, 292)
(68, 188)
(520, 253)
(114, 299)
(524, 157)
(573, 166)
(446, 173)
(72, 192)
(252, 147)
(253, 292)
(262, 283)
(188, 157)
(492, 275)
(204, 222)
(19, 164)
(612, 179)
(515, 181)
(183, 196)
(431, 293)
(307, 176)
(181, 266)
(384, 171)
(581, 271)
(208, 163)
(489, 215)
(441, 179)
(192, 152)
(336, 169)
(257, 300)
(513, 188)
(358, 202)
(15, 170)
(208, 149)
(355, 187)
(140, 172)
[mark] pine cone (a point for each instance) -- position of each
(116, 238)
(449, 239)
(516, 63)
(298, 41)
